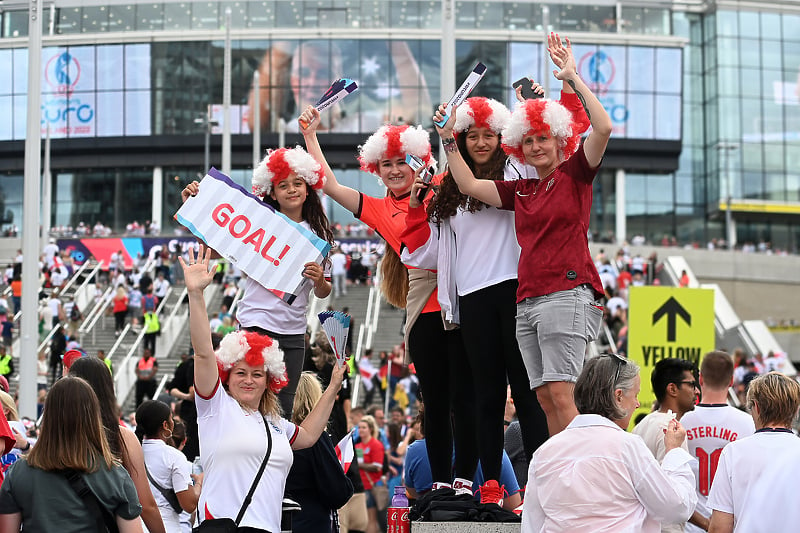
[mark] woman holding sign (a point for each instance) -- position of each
(444, 374)
(239, 419)
(558, 282)
(287, 180)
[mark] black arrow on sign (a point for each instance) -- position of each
(672, 309)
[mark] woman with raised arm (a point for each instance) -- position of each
(236, 392)
(436, 350)
(558, 283)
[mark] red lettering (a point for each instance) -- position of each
(232, 227)
(220, 217)
(266, 248)
(726, 434)
(255, 238)
(689, 435)
(700, 432)
(733, 436)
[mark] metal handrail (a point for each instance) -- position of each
(48, 337)
(91, 276)
(75, 275)
(117, 343)
(96, 312)
(160, 387)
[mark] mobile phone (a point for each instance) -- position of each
(427, 175)
(527, 88)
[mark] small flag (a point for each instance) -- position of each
(345, 450)
(337, 91)
(336, 326)
(367, 372)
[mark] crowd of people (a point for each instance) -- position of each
(502, 298)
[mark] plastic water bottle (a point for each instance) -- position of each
(397, 520)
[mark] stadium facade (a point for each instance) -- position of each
(703, 95)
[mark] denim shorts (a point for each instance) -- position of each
(553, 331)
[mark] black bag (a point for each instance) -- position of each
(444, 505)
(168, 494)
(226, 525)
(104, 520)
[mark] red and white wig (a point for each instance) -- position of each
(395, 141)
(256, 350)
(541, 117)
(277, 166)
(481, 112)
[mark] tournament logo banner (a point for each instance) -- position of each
(262, 242)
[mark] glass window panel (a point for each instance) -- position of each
(121, 17)
(771, 25)
(668, 70)
(520, 16)
(727, 23)
(750, 82)
(20, 116)
(749, 24)
(728, 51)
(137, 113)
(109, 58)
(82, 119)
(752, 185)
(659, 189)
(69, 20)
(465, 15)
(791, 57)
(149, 16)
(684, 189)
(137, 66)
(525, 60)
(773, 157)
(260, 15)
(632, 20)
(752, 156)
(110, 114)
(81, 67)
(641, 74)
(668, 116)
(6, 125)
(728, 79)
(6, 71)
(238, 14)
(752, 121)
(775, 93)
(656, 21)
(750, 52)
(642, 113)
(792, 187)
(208, 16)
(177, 16)
(94, 19)
(15, 23)
(771, 54)
(488, 15)
(790, 25)
(729, 118)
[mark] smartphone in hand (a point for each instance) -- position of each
(527, 88)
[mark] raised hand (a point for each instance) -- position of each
(446, 131)
(562, 57)
(190, 190)
(309, 120)
(197, 274)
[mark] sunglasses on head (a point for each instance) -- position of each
(620, 360)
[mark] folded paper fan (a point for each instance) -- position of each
(336, 326)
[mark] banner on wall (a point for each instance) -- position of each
(133, 248)
(639, 86)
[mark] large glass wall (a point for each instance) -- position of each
(76, 17)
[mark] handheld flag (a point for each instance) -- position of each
(337, 91)
(336, 326)
(345, 450)
(463, 92)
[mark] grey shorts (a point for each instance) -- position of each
(553, 331)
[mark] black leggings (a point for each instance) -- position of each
(445, 380)
(488, 324)
(294, 352)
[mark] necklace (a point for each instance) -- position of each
(540, 180)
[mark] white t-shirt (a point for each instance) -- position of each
(55, 306)
(709, 428)
(263, 308)
(755, 482)
(233, 442)
(338, 264)
(171, 470)
(651, 430)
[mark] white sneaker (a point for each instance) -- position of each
(462, 486)
(439, 485)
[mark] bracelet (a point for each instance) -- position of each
(450, 145)
(506, 422)
(28, 447)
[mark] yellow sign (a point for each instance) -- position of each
(667, 322)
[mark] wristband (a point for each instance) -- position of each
(450, 145)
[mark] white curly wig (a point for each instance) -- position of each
(395, 141)
(541, 116)
(481, 112)
(277, 166)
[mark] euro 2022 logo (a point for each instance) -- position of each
(598, 71)
(62, 72)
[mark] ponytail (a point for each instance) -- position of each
(394, 279)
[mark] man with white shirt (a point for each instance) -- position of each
(160, 286)
(711, 426)
(674, 385)
(339, 272)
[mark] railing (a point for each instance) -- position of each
(365, 333)
(161, 384)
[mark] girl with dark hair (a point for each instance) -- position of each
(286, 180)
(121, 441)
(37, 493)
(170, 474)
(437, 353)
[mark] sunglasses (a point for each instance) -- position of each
(693, 384)
(620, 360)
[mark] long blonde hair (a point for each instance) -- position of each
(8, 404)
(394, 279)
(309, 391)
(72, 436)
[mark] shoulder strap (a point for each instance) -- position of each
(249, 496)
(168, 494)
(103, 519)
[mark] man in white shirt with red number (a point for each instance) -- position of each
(711, 426)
